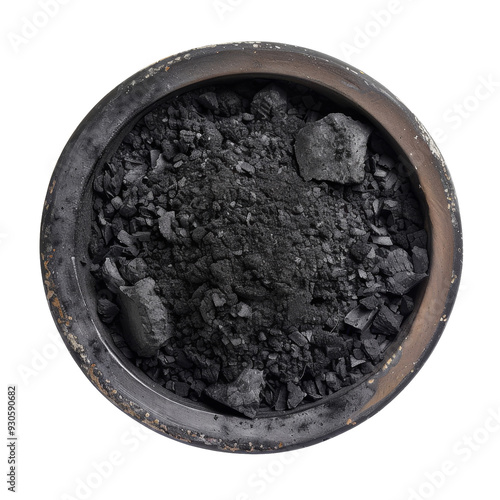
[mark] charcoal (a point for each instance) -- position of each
(332, 149)
(341, 368)
(270, 101)
(242, 395)
(198, 234)
(402, 283)
(332, 381)
(372, 349)
(181, 389)
(135, 270)
(371, 302)
(281, 399)
(360, 318)
(209, 101)
(125, 239)
(418, 239)
(356, 362)
(112, 276)
(327, 339)
(337, 349)
(310, 389)
(229, 102)
(107, 310)
(144, 318)
(360, 250)
(295, 395)
(407, 305)
(298, 339)
(382, 240)
(165, 225)
(387, 322)
(397, 261)
(420, 260)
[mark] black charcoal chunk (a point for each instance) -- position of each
(242, 395)
(181, 388)
(281, 398)
(402, 283)
(420, 260)
(298, 338)
(107, 310)
(336, 347)
(360, 318)
(382, 240)
(332, 381)
(135, 270)
(165, 225)
(372, 349)
(332, 149)
(371, 302)
(418, 239)
(406, 306)
(387, 322)
(209, 101)
(198, 234)
(295, 395)
(397, 261)
(356, 362)
(310, 388)
(269, 102)
(144, 318)
(112, 276)
(125, 239)
(360, 250)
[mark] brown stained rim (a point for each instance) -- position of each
(69, 288)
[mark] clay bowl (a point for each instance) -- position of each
(70, 290)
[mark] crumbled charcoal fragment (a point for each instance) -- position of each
(397, 261)
(418, 239)
(269, 102)
(209, 101)
(382, 240)
(387, 322)
(333, 149)
(420, 260)
(360, 318)
(295, 395)
(242, 395)
(372, 348)
(144, 318)
(280, 403)
(407, 305)
(371, 302)
(298, 339)
(332, 381)
(165, 224)
(181, 389)
(107, 309)
(111, 275)
(135, 270)
(401, 283)
(255, 246)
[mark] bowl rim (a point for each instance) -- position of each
(64, 266)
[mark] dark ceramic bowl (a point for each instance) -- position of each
(70, 290)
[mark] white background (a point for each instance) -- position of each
(435, 56)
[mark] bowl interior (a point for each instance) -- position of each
(82, 236)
